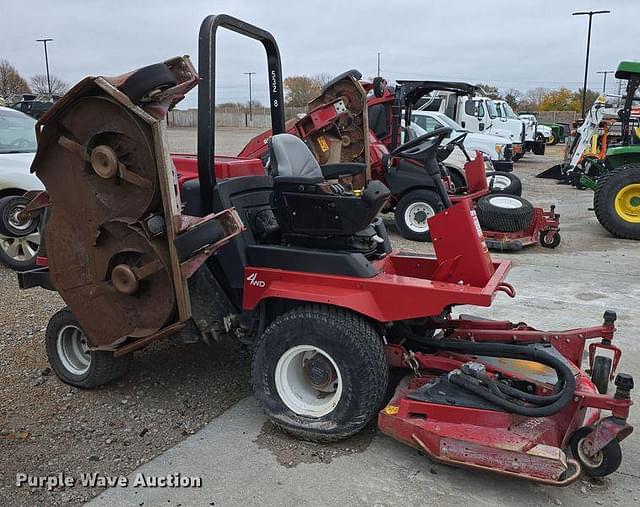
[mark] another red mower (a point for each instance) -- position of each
(335, 126)
(296, 263)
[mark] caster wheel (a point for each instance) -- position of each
(604, 462)
(600, 373)
(550, 243)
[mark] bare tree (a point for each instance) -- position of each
(40, 86)
(534, 98)
(12, 84)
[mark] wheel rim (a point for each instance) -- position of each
(308, 381)
(73, 350)
(14, 221)
(22, 249)
(627, 203)
(416, 215)
(505, 202)
(498, 181)
(589, 461)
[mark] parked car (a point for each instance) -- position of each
(19, 239)
(34, 108)
(498, 149)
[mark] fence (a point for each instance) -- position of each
(230, 117)
(556, 116)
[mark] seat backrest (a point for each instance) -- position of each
(289, 156)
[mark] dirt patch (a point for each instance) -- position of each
(47, 427)
(290, 452)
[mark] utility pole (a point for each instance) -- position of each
(46, 61)
(250, 99)
(586, 63)
(378, 64)
(604, 82)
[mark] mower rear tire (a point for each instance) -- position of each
(553, 140)
(412, 211)
(616, 201)
(600, 373)
(504, 183)
(605, 462)
(72, 361)
(504, 213)
(320, 373)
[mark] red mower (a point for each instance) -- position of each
(300, 267)
(335, 130)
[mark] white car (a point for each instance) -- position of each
(19, 239)
(497, 149)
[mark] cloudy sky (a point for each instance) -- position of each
(511, 44)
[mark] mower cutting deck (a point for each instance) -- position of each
(295, 262)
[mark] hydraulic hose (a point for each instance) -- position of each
(556, 401)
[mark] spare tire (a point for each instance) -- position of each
(504, 213)
(501, 182)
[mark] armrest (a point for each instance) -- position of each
(332, 171)
(297, 180)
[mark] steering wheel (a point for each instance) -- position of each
(415, 145)
(459, 142)
(21, 142)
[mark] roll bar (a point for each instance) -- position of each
(206, 93)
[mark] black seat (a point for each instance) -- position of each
(305, 204)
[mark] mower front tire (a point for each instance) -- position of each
(320, 373)
(412, 212)
(600, 373)
(504, 213)
(616, 201)
(605, 462)
(72, 361)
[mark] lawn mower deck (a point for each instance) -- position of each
(454, 426)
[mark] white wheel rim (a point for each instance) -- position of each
(73, 350)
(21, 249)
(506, 202)
(499, 181)
(589, 461)
(416, 214)
(311, 389)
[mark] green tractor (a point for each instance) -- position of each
(616, 201)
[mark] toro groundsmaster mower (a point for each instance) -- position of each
(300, 267)
(509, 222)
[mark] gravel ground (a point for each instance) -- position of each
(171, 390)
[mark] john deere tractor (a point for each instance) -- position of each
(616, 201)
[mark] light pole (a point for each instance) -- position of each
(250, 100)
(46, 61)
(604, 82)
(586, 63)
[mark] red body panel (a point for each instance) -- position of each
(225, 167)
(403, 289)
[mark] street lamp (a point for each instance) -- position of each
(586, 63)
(46, 61)
(604, 82)
(250, 100)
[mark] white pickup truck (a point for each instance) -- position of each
(533, 140)
(498, 149)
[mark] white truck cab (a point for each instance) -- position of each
(533, 140)
(478, 114)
